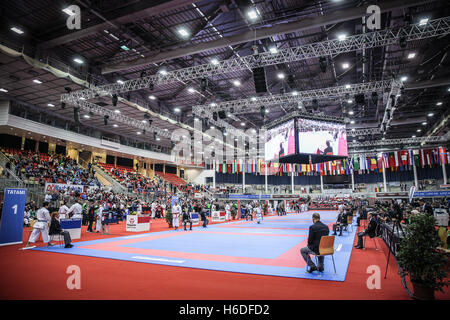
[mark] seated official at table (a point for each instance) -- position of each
(316, 231)
(55, 228)
(370, 231)
(362, 214)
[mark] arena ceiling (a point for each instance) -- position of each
(119, 40)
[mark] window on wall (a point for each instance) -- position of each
(60, 149)
(109, 159)
(158, 167)
(43, 147)
(10, 141)
(171, 169)
(30, 144)
(182, 174)
(124, 162)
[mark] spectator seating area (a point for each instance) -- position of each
(130, 179)
(39, 168)
(171, 178)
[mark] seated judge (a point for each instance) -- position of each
(341, 222)
(316, 231)
(55, 228)
(370, 231)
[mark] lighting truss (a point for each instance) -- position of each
(362, 132)
(417, 140)
(391, 106)
(96, 109)
(253, 104)
(433, 28)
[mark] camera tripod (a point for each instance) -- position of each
(396, 226)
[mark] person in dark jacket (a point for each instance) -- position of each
(91, 217)
(341, 222)
(55, 228)
(370, 231)
(203, 216)
(316, 231)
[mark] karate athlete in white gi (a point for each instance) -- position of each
(153, 210)
(99, 218)
(63, 211)
(227, 212)
(258, 214)
(76, 210)
(41, 226)
(176, 211)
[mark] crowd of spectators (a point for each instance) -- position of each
(54, 168)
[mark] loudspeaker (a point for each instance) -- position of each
(76, 115)
(222, 114)
(360, 99)
(215, 116)
(259, 78)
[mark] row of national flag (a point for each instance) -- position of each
(395, 161)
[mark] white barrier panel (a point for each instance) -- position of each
(218, 216)
(52, 187)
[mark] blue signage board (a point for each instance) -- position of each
(11, 225)
(249, 196)
(429, 194)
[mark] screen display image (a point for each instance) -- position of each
(280, 141)
(324, 138)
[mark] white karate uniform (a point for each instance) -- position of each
(98, 220)
(77, 211)
(227, 212)
(63, 211)
(258, 215)
(153, 210)
(41, 226)
(176, 211)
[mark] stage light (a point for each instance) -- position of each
(413, 136)
(353, 129)
(214, 61)
(439, 103)
(203, 84)
(82, 99)
(431, 114)
(212, 127)
(50, 104)
(252, 14)
(163, 72)
(352, 122)
(345, 65)
(280, 75)
(342, 37)
(152, 97)
(419, 130)
(37, 81)
(294, 93)
(196, 119)
(3, 90)
(138, 133)
(78, 60)
(17, 30)
(115, 125)
(105, 119)
(253, 98)
(183, 32)
(144, 121)
(243, 124)
(177, 109)
(124, 48)
(403, 79)
(158, 139)
(411, 55)
(349, 101)
(424, 123)
(114, 99)
(323, 63)
(351, 112)
(236, 83)
(374, 98)
(191, 90)
(86, 116)
(120, 81)
(347, 86)
(423, 21)
(273, 49)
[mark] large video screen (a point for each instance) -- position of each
(280, 141)
(320, 137)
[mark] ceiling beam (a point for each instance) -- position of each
(142, 9)
(253, 35)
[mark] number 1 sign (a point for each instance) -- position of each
(11, 224)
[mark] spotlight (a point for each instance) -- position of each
(114, 100)
(203, 84)
(323, 63)
(374, 98)
(105, 119)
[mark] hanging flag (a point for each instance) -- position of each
(391, 158)
(422, 158)
(404, 157)
(397, 158)
(442, 157)
(410, 157)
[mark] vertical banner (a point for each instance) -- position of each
(411, 193)
(11, 225)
